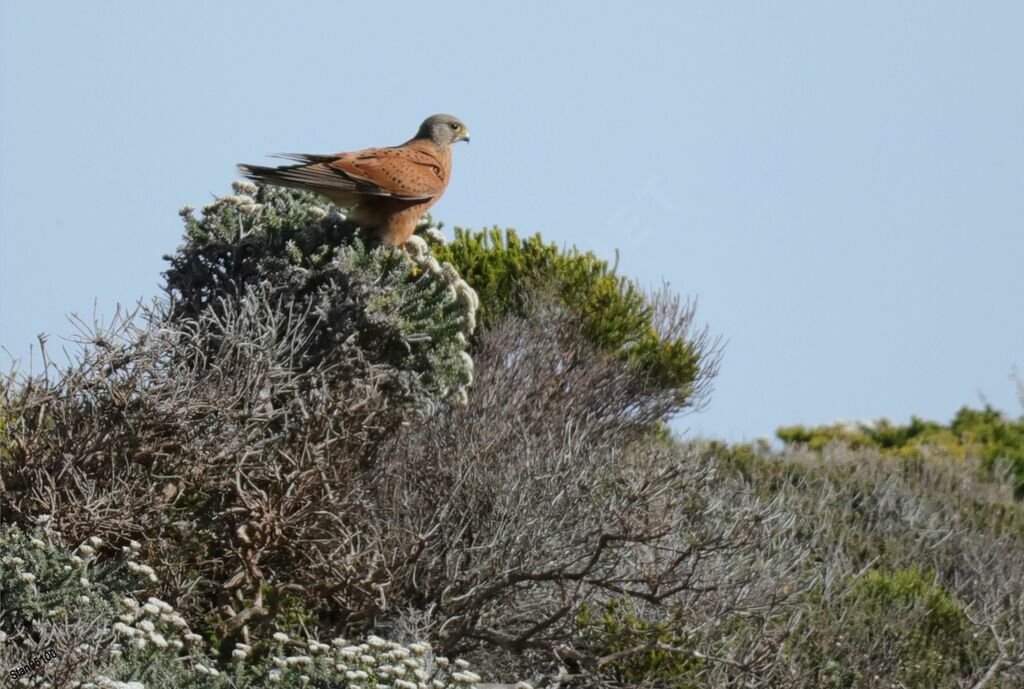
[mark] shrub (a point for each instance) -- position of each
(403, 310)
(889, 628)
(985, 434)
(239, 420)
(653, 333)
(84, 617)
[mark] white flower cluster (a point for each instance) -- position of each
(375, 662)
(242, 198)
(154, 622)
(435, 235)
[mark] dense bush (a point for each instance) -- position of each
(884, 628)
(284, 423)
(654, 335)
(87, 624)
(981, 433)
(289, 448)
(406, 311)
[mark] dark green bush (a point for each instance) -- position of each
(655, 337)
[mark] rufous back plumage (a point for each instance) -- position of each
(387, 190)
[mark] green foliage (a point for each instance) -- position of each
(618, 627)
(889, 628)
(616, 315)
(983, 433)
(402, 309)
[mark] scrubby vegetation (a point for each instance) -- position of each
(461, 449)
(985, 434)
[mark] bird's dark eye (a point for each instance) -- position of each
(453, 125)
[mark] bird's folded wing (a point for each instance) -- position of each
(399, 172)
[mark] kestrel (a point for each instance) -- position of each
(386, 190)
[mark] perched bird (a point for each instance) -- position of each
(386, 190)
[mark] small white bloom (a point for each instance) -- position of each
(466, 677)
(281, 636)
(404, 684)
(239, 654)
(146, 626)
(419, 648)
(441, 661)
(193, 638)
(134, 545)
(83, 599)
(84, 582)
(96, 541)
(43, 518)
(151, 609)
(462, 663)
(435, 235)
(274, 675)
(416, 246)
(163, 606)
(122, 628)
(27, 577)
(158, 639)
(299, 660)
(367, 659)
(38, 543)
(174, 619)
(177, 644)
(86, 549)
(432, 265)
(76, 560)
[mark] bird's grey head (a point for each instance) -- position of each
(443, 130)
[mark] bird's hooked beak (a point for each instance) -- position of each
(464, 136)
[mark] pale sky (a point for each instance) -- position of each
(840, 184)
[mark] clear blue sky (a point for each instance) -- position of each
(841, 184)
